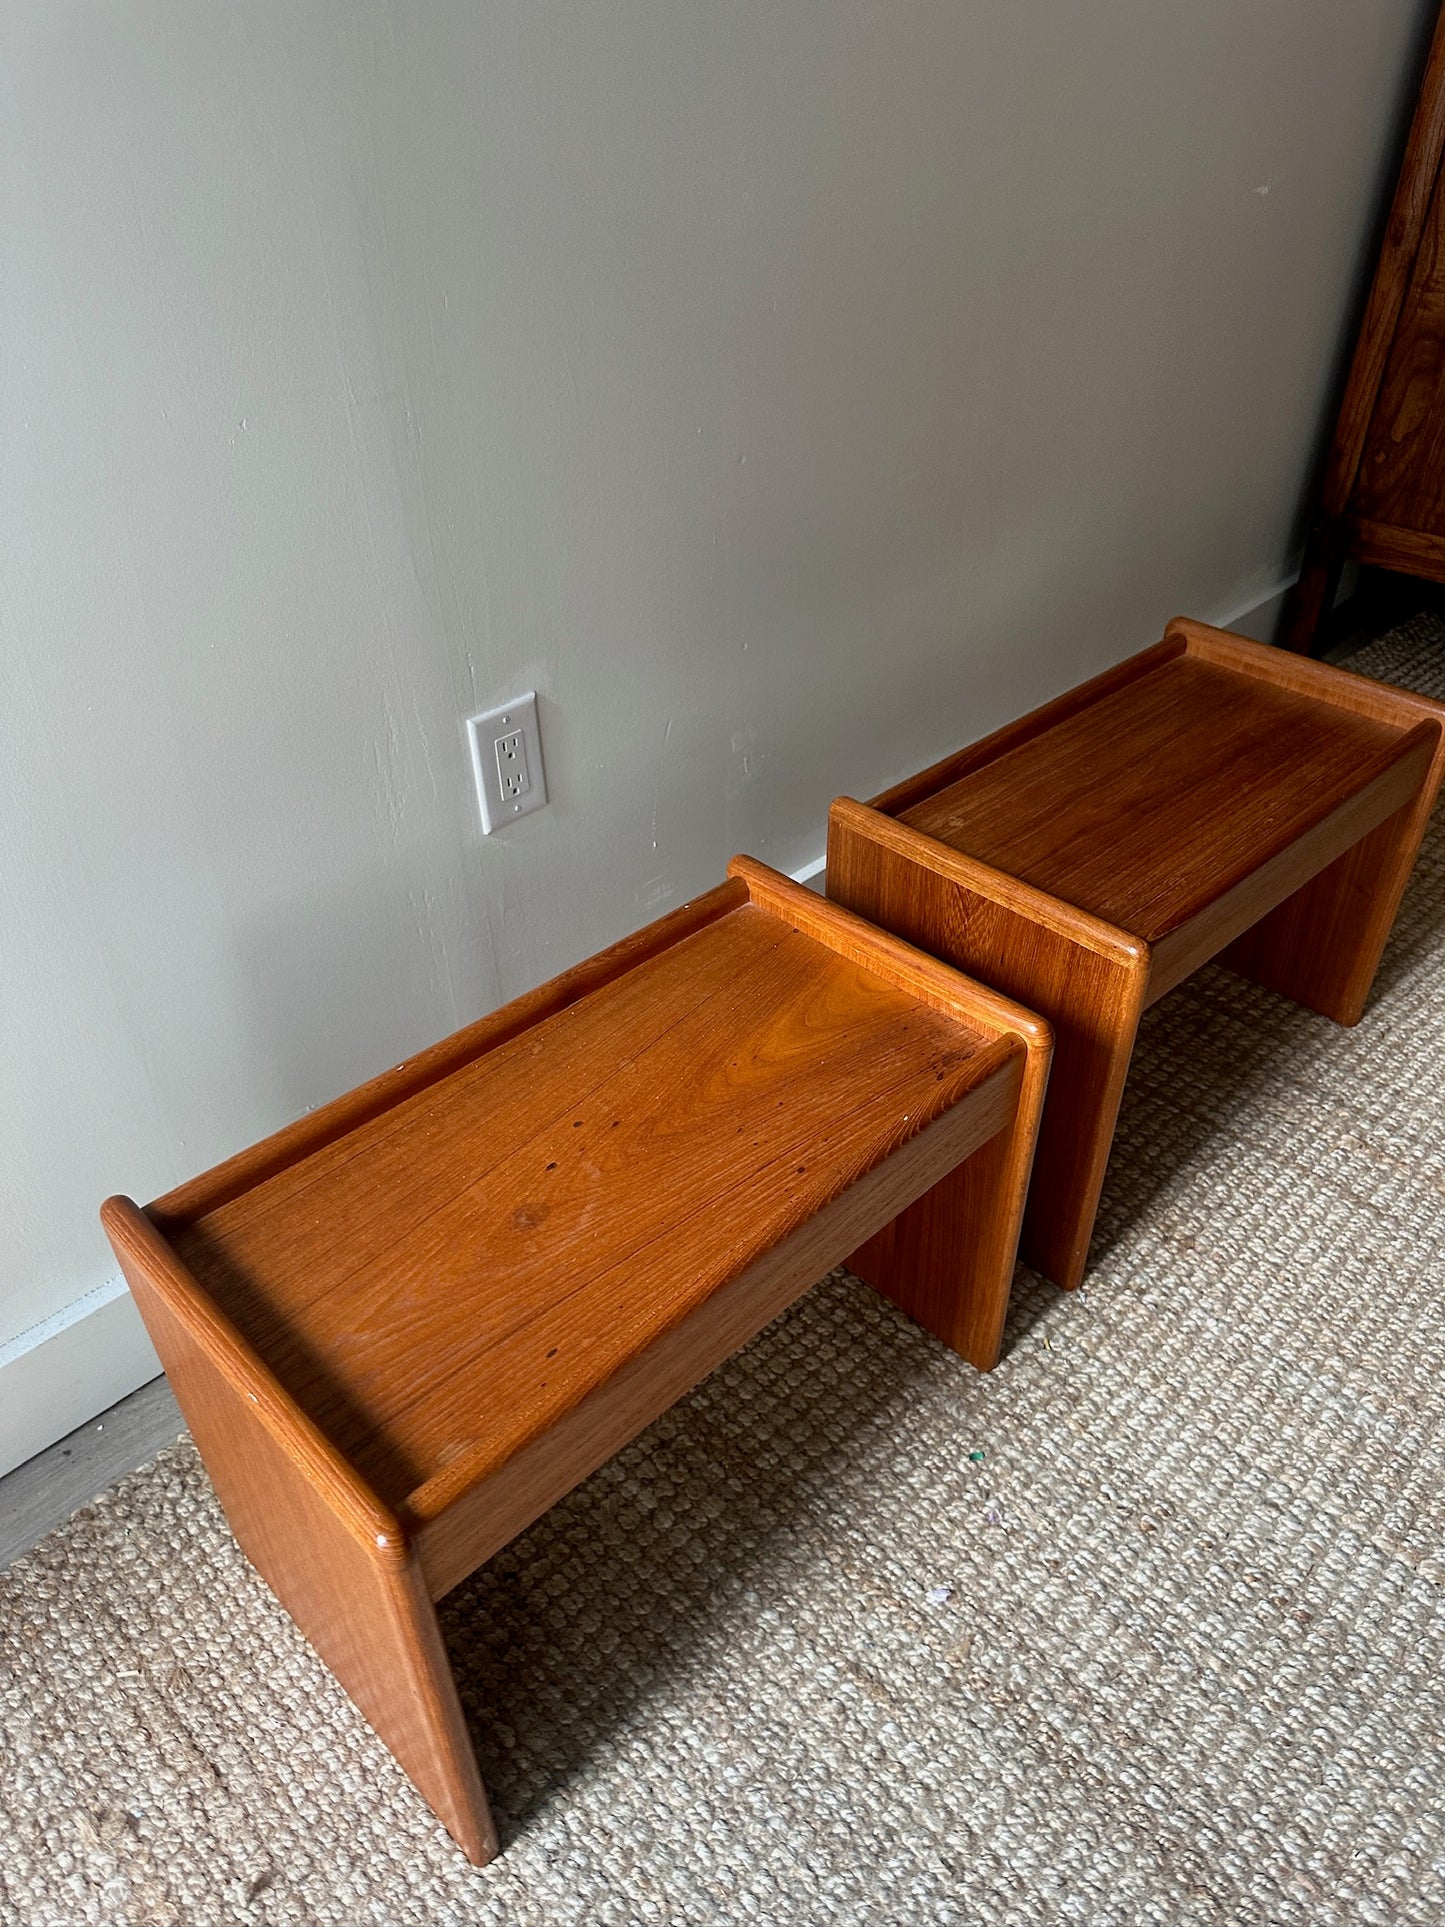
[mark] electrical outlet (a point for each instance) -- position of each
(507, 762)
(512, 765)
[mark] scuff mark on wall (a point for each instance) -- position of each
(746, 759)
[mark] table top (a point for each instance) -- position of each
(466, 1263)
(1146, 805)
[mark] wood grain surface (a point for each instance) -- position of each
(947, 1258)
(1037, 722)
(1087, 976)
(460, 1269)
(1322, 944)
(1155, 800)
(1410, 551)
(471, 1509)
(337, 1559)
(1210, 794)
(323, 1126)
(403, 1327)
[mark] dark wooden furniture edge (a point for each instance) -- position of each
(1411, 551)
(1332, 537)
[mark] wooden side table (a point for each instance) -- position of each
(403, 1327)
(1209, 797)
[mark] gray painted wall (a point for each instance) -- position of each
(786, 392)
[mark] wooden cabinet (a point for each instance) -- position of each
(1382, 496)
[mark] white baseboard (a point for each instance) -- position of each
(66, 1371)
(1259, 617)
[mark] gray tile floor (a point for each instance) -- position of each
(45, 1490)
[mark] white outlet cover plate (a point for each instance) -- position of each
(509, 776)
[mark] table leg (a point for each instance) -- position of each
(335, 1558)
(1322, 945)
(948, 1260)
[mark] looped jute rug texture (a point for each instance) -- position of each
(1146, 1626)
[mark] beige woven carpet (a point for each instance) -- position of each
(1146, 1627)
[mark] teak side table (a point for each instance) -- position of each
(403, 1327)
(1208, 797)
